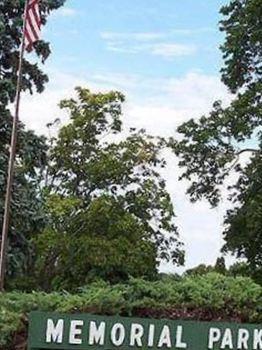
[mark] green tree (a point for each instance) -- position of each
(110, 215)
(220, 265)
(243, 232)
(26, 216)
(199, 270)
(203, 269)
(26, 207)
(244, 269)
(11, 23)
(212, 146)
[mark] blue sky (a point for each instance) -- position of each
(147, 37)
(164, 55)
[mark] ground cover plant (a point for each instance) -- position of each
(209, 297)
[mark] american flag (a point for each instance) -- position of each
(32, 23)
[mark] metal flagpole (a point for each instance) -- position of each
(10, 177)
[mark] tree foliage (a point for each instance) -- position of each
(243, 231)
(110, 215)
(11, 23)
(27, 216)
(26, 206)
(212, 147)
(203, 269)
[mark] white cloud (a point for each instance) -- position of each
(194, 31)
(154, 43)
(117, 80)
(197, 90)
(200, 226)
(168, 50)
(38, 110)
(159, 105)
(119, 47)
(172, 101)
(64, 12)
(162, 49)
(137, 36)
(152, 36)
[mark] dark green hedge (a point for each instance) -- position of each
(208, 297)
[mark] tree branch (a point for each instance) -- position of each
(252, 150)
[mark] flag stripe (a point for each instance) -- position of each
(33, 26)
(28, 42)
(30, 32)
(32, 23)
(36, 15)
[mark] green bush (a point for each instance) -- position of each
(207, 297)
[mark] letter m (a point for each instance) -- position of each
(97, 334)
(54, 333)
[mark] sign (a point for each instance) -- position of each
(86, 331)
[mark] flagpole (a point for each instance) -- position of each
(10, 177)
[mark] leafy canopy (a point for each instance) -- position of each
(213, 146)
(26, 210)
(11, 23)
(27, 215)
(110, 215)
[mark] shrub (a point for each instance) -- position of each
(209, 297)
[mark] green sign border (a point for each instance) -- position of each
(195, 334)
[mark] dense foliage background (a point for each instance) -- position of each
(108, 213)
(27, 203)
